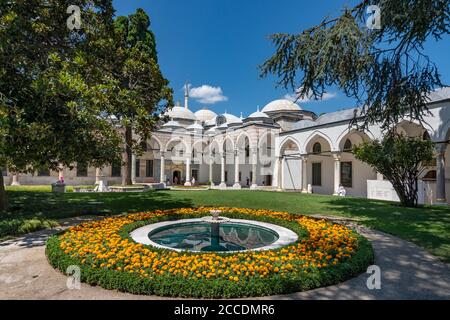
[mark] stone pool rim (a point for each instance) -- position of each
(285, 235)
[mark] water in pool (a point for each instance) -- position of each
(204, 236)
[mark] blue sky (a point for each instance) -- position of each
(218, 44)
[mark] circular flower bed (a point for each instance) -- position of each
(325, 254)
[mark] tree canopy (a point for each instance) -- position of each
(401, 160)
(386, 70)
(59, 88)
(140, 93)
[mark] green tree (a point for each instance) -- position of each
(139, 90)
(400, 160)
(385, 69)
(52, 96)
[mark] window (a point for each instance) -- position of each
(317, 147)
(43, 172)
(247, 151)
(316, 173)
(348, 145)
(426, 136)
(226, 176)
(82, 169)
(346, 174)
(116, 169)
(4, 172)
(240, 176)
(149, 168)
(138, 168)
(220, 120)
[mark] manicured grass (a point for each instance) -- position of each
(429, 227)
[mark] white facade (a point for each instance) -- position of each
(282, 146)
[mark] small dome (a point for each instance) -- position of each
(172, 125)
(205, 115)
(209, 123)
(258, 114)
(179, 112)
(281, 105)
(231, 119)
(195, 127)
(211, 131)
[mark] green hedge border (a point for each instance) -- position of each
(178, 286)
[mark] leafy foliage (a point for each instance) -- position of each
(138, 91)
(385, 69)
(401, 160)
(59, 88)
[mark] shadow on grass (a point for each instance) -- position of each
(426, 226)
(58, 206)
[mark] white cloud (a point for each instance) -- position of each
(207, 94)
(310, 97)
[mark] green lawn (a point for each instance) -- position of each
(428, 227)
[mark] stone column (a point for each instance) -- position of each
(15, 180)
(280, 173)
(98, 175)
(162, 178)
(337, 172)
(133, 168)
(211, 162)
(188, 183)
(440, 178)
(60, 173)
(254, 170)
(237, 183)
(304, 174)
(223, 184)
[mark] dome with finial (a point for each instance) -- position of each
(281, 105)
(257, 114)
(172, 125)
(195, 127)
(205, 115)
(179, 112)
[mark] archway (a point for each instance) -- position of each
(353, 174)
(244, 174)
(320, 164)
(291, 163)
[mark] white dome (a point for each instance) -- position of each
(196, 127)
(205, 115)
(258, 114)
(172, 125)
(281, 105)
(179, 112)
(211, 131)
(231, 118)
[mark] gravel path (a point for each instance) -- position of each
(407, 272)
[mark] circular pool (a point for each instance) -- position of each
(198, 235)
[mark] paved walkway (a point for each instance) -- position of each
(408, 272)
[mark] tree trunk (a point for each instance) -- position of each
(126, 178)
(3, 198)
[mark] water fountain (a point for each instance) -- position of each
(214, 233)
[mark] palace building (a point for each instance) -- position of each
(281, 147)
